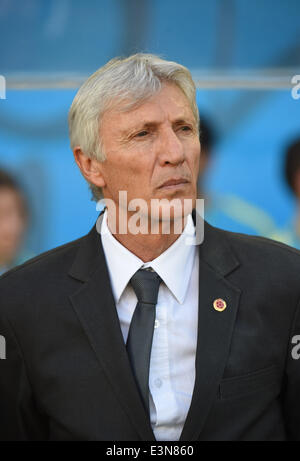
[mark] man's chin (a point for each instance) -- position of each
(165, 209)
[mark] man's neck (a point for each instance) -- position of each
(147, 246)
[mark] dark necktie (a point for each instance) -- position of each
(139, 342)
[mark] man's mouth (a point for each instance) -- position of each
(174, 183)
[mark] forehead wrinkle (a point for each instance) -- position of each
(150, 123)
(137, 117)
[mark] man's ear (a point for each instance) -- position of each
(90, 168)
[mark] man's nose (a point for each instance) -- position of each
(171, 149)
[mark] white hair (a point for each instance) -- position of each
(133, 79)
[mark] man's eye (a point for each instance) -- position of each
(186, 128)
(142, 134)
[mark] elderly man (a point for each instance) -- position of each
(134, 334)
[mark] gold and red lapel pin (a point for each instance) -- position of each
(219, 305)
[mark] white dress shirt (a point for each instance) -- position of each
(172, 363)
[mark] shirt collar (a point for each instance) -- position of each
(174, 265)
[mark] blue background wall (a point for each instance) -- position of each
(39, 39)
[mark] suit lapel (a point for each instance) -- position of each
(95, 307)
(214, 328)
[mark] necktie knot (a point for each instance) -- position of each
(145, 285)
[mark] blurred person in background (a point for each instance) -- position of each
(291, 233)
(227, 211)
(13, 223)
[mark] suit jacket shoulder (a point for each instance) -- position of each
(271, 259)
(37, 277)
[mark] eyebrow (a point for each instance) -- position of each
(154, 124)
(182, 121)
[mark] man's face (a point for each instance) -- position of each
(152, 151)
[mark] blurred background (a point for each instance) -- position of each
(242, 55)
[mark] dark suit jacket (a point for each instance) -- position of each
(67, 375)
